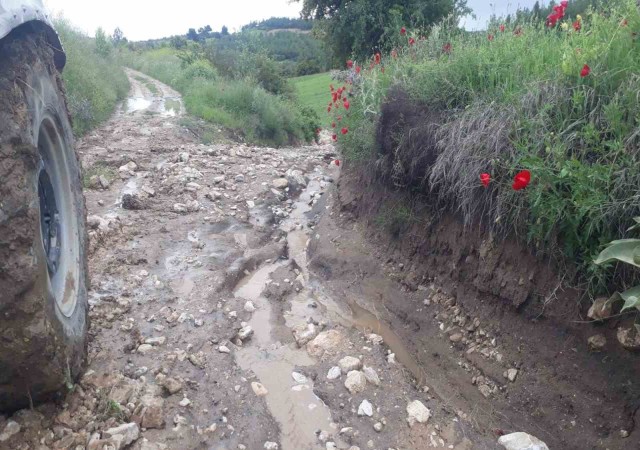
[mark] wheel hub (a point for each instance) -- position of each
(49, 221)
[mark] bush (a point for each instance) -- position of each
(240, 105)
(503, 101)
(95, 83)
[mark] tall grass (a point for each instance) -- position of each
(239, 105)
(95, 84)
(503, 101)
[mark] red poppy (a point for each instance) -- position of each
(394, 54)
(485, 179)
(344, 130)
(337, 162)
(334, 96)
(358, 69)
(491, 37)
(333, 124)
(347, 104)
(349, 64)
(446, 47)
(403, 31)
(378, 58)
(331, 87)
(339, 118)
(586, 70)
(502, 27)
(518, 32)
(334, 137)
(382, 69)
(624, 23)
(329, 109)
(564, 3)
(552, 19)
(412, 41)
(577, 25)
(521, 180)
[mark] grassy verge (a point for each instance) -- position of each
(95, 83)
(149, 84)
(312, 91)
(238, 105)
(558, 102)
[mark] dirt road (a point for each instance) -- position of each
(214, 320)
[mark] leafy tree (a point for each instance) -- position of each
(360, 27)
(103, 46)
(118, 37)
(193, 35)
(178, 42)
(224, 31)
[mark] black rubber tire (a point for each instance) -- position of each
(43, 318)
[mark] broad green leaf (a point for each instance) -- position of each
(631, 298)
(624, 250)
(637, 225)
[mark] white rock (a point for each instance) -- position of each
(299, 378)
(371, 375)
(259, 389)
(280, 183)
(156, 340)
(11, 428)
(245, 333)
(128, 167)
(145, 348)
(185, 402)
(249, 307)
(375, 339)
(349, 363)
(356, 382)
(365, 408)
(334, 373)
(124, 434)
(417, 412)
(378, 427)
(325, 342)
(271, 446)
(521, 441)
(512, 374)
(224, 349)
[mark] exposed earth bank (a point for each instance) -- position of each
(238, 303)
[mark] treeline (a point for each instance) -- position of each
(279, 23)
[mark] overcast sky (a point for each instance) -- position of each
(146, 19)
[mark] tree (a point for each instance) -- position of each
(118, 37)
(103, 46)
(193, 35)
(224, 31)
(360, 27)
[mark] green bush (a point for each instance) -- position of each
(95, 82)
(503, 101)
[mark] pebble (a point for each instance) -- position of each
(259, 389)
(511, 374)
(365, 408)
(271, 446)
(456, 337)
(145, 348)
(299, 378)
(521, 441)
(356, 382)
(349, 363)
(224, 349)
(597, 342)
(172, 386)
(249, 307)
(334, 373)
(371, 375)
(378, 427)
(417, 413)
(123, 435)
(10, 429)
(185, 402)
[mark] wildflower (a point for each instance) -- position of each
(579, 18)
(334, 137)
(333, 124)
(378, 58)
(485, 179)
(521, 180)
(564, 4)
(349, 64)
(403, 31)
(502, 28)
(345, 130)
(394, 53)
(382, 69)
(564, 26)
(337, 162)
(329, 109)
(586, 70)
(490, 37)
(447, 48)
(331, 87)
(358, 69)
(339, 118)
(347, 104)
(624, 23)
(577, 25)
(412, 41)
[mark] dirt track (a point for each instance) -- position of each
(214, 327)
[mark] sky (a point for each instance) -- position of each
(149, 19)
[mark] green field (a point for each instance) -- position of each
(313, 91)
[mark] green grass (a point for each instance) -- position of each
(95, 84)
(516, 102)
(241, 106)
(312, 91)
(149, 84)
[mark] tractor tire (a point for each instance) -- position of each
(43, 240)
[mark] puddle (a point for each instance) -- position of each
(134, 104)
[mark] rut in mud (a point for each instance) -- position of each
(234, 307)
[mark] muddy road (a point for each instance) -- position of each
(215, 323)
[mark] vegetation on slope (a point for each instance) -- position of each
(558, 101)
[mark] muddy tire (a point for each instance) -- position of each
(43, 266)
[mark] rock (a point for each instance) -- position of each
(145, 348)
(601, 309)
(349, 363)
(365, 408)
(378, 427)
(629, 337)
(153, 412)
(325, 342)
(271, 446)
(146, 445)
(305, 333)
(183, 157)
(123, 435)
(356, 382)
(171, 385)
(197, 359)
(249, 307)
(511, 374)
(334, 373)
(224, 349)
(298, 378)
(485, 390)
(239, 178)
(371, 376)
(375, 339)
(280, 183)
(297, 181)
(156, 340)
(218, 179)
(456, 337)
(259, 389)
(128, 167)
(184, 402)
(10, 429)
(245, 333)
(133, 202)
(417, 413)
(597, 342)
(521, 441)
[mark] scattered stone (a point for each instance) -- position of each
(521, 441)
(259, 389)
(511, 374)
(629, 337)
(133, 202)
(185, 402)
(271, 446)
(249, 307)
(356, 382)
(153, 412)
(239, 178)
(326, 342)
(10, 429)
(417, 413)
(624, 434)
(349, 363)
(245, 333)
(128, 167)
(197, 359)
(365, 408)
(601, 309)
(371, 375)
(297, 181)
(378, 427)
(299, 378)
(146, 445)
(171, 385)
(305, 333)
(280, 183)
(123, 435)
(485, 390)
(145, 348)
(156, 341)
(334, 373)
(375, 339)
(224, 349)
(597, 342)
(456, 337)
